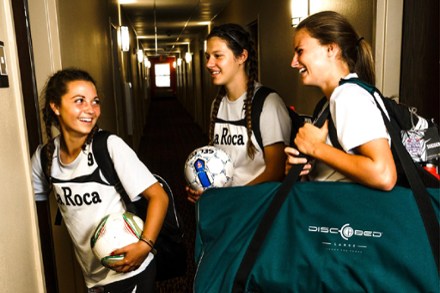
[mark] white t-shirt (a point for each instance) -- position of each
(84, 197)
(357, 121)
(275, 127)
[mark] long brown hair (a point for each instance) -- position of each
(330, 27)
(237, 39)
(55, 88)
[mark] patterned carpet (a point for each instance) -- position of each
(169, 136)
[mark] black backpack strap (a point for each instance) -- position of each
(44, 161)
(257, 107)
(319, 107)
(421, 195)
(263, 228)
(107, 168)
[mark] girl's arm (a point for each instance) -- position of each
(371, 165)
(274, 158)
(136, 253)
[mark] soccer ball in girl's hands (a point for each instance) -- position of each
(115, 231)
(208, 167)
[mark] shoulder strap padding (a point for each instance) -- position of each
(44, 161)
(257, 108)
(102, 156)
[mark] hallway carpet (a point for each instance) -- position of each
(169, 136)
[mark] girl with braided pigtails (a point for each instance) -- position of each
(84, 197)
(232, 62)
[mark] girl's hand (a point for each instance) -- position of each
(193, 195)
(293, 159)
(310, 137)
(134, 256)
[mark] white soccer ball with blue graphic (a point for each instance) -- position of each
(207, 167)
(115, 231)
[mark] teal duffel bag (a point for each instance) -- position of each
(326, 237)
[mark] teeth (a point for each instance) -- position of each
(86, 119)
(302, 70)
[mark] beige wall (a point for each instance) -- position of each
(20, 262)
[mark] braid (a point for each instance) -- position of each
(50, 120)
(214, 112)
(248, 116)
(252, 71)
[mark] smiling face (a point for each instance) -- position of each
(79, 109)
(221, 62)
(311, 59)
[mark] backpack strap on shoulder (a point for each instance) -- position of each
(102, 156)
(44, 161)
(107, 168)
(257, 107)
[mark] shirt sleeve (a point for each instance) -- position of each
(132, 172)
(39, 181)
(356, 117)
(275, 123)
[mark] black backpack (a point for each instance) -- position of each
(171, 257)
(402, 118)
(257, 106)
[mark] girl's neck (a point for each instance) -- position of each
(70, 148)
(236, 89)
(340, 71)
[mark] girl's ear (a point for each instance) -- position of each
(243, 56)
(333, 49)
(55, 108)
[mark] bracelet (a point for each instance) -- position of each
(149, 243)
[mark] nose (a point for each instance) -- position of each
(294, 63)
(89, 107)
(209, 62)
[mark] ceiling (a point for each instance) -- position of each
(170, 23)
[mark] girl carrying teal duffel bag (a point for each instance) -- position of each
(319, 236)
(326, 237)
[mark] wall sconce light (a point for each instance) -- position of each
(300, 10)
(125, 38)
(188, 57)
(147, 63)
(179, 61)
(140, 55)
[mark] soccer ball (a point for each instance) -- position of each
(208, 167)
(115, 231)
